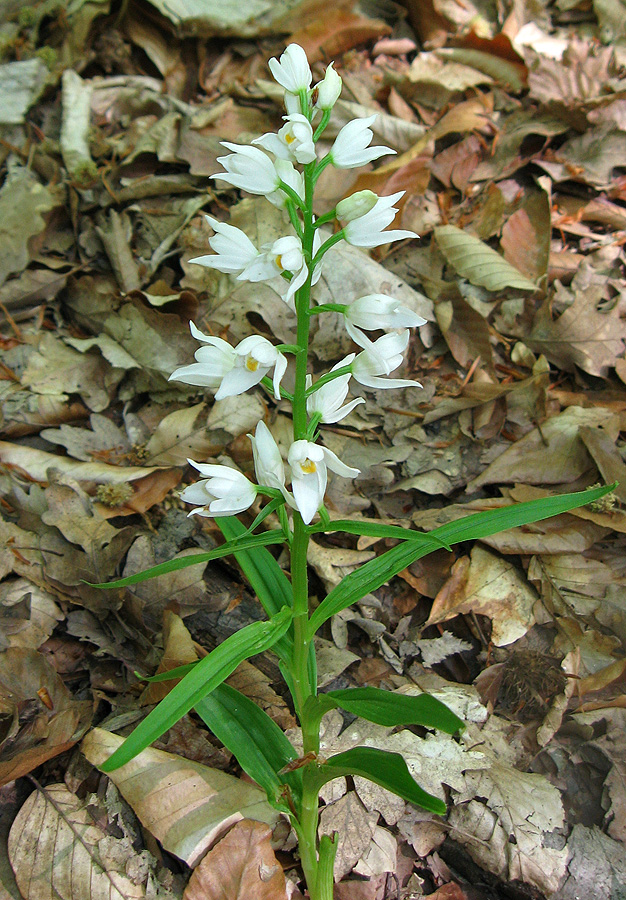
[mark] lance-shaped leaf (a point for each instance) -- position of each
(476, 261)
(246, 543)
(390, 708)
(258, 744)
(377, 529)
(389, 770)
(266, 578)
(378, 571)
(204, 677)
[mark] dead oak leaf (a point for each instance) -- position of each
(581, 336)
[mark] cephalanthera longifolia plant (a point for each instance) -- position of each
(284, 167)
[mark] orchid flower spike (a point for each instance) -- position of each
(380, 358)
(351, 147)
(232, 370)
(378, 311)
(293, 142)
(268, 463)
(309, 464)
(367, 230)
(222, 492)
(326, 401)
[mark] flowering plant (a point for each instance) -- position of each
(284, 167)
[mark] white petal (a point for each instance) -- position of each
(196, 374)
(336, 465)
(308, 493)
(238, 381)
(280, 368)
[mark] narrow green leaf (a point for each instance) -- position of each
(171, 674)
(476, 261)
(377, 572)
(389, 708)
(373, 529)
(389, 770)
(246, 543)
(257, 742)
(204, 677)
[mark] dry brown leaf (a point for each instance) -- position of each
(339, 29)
(241, 867)
(551, 454)
(185, 805)
(57, 850)
(28, 614)
(526, 236)
(490, 586)
(36, 463)
(42, 720)
(580, 336)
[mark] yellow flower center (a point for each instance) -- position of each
(308, 467)
(252, 364)
(289, 138)
(279, 261)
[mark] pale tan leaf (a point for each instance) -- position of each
(36, 463)
(185, 805)
(242, 866)
(355, 827)
(476, 261)
(551, 454)
(181, 435)
(54, 850)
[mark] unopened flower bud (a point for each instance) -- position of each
(328, 90)
(356, 205)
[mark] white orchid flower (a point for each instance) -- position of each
(235, 254)
(367, 230)
(249, 169)
(294, 140)
(254, 357)
(326, 401)
(222, 492)
(378, 311)
(268, 463)
(309, 464)
(213, 363)
(231, 370)
(379, 358)
(328, 90)
(351, 147)
(292, 70)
